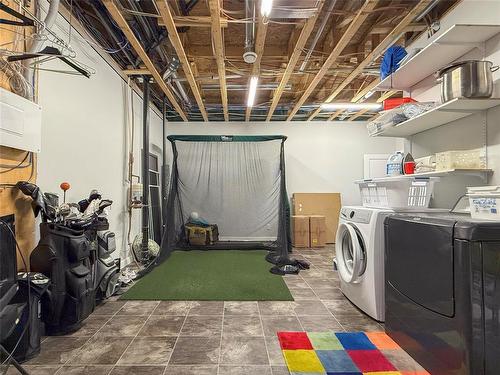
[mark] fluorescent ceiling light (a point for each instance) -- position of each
(252, 89)
(352, 106)
(265, 7)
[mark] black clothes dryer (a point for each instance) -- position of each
(442, 287)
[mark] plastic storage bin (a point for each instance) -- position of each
(484, 202)
(461, 159)
(409, 193)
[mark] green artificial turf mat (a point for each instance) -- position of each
(214, 275)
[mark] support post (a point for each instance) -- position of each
(145, 166)
(164, 181)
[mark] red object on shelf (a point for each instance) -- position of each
(396, 102)
(409, 167)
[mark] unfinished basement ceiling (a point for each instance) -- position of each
(337, 45)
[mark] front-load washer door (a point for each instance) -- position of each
(350, 252)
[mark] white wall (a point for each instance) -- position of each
(84, 134)
(320, 156)
(481, 129)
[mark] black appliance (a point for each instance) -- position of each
(442, 291)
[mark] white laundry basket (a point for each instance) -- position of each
(405, 192)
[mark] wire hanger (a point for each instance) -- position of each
(24, 21)
(51, 52)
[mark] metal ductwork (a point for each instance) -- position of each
(320, 30)
(294, 9)
(249, 56)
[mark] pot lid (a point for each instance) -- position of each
(460, 63)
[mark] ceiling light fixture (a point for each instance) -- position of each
(351, 106)
(265, 8)
(369, 94)
(252, 90)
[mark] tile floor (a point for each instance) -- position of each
(203, 338)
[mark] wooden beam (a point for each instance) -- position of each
(358, 20)
(388, 40)
(219, 52)
(136, 45)
(260, 41)
(166, 15)
(193, 21)
(299, 46)
(136, 72)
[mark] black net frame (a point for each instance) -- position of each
(174, 235)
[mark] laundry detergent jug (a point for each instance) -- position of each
(394, 164)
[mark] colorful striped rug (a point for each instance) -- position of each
(347, 353)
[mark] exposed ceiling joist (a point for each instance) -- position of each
(294, 58)
(173, 36)
(353, 27)
(139, 49)
(219, 52)
(260, 41)
(193, 21)
(136, 72)
(388, 40)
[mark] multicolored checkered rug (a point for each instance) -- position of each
(347, 353)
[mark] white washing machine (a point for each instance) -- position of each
(359, 250)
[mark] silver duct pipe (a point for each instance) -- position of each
(249, 56)
(318, 34)
(427, 10)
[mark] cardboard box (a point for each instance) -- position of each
(325, 204)
(317, 230)
(300, 231)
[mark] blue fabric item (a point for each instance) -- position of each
(335, 361)
(355, 341)
(390, 62)
(201, 222)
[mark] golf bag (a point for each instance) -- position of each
(63, 255)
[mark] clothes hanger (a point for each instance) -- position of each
(50, 51)
(24, 21)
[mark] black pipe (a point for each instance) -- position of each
(164, 182)
(145, 166)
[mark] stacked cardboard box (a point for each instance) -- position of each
(324, 204)
(309, 231)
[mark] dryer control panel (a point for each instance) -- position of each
(356, 216)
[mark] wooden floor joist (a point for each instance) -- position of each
(388, 40)
(260, 41)
(139, 49)
(219, 52)
(353, 27)
(193, 21)
(299, 46)
(174, 38)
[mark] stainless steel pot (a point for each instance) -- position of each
(467, 79)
